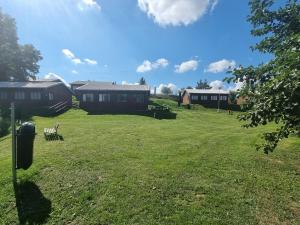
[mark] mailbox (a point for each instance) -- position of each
(25, 139)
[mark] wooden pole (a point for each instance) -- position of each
(219, 101)
(13, 137)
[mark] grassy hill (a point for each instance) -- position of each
(201, 168)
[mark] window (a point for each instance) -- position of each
(19, 95)
(223, 98)
(51, 96)
(203, 97)
(88, 97)
(195, 97)
(214, 98)
(122, 98)
(3, 95)
(139, 98)
(35, 95)
(104, 97)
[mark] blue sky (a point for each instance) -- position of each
(165, 41)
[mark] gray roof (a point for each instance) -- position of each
(81, 82)
(29, 84)
(206, 91)
(94, 86)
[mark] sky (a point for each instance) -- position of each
(171, 43)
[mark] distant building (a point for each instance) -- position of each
(110, 97)
(207, 97)
(48, 94)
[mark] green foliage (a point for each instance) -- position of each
(17, 62)
(142, 81)
(4, 121)
(233, 97)
(203, 85)
(166, 90)
(273, 88)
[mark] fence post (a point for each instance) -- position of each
(13, 137)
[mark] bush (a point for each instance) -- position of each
(4, 122)
(4, 126)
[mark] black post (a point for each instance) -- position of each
(13, 143)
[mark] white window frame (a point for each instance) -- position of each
(19, 95)
(51, 96)
(88, 97)
(223, 98)
(203, 97)
(123, 98)
(195, 97)
(214, 98)
(139, 98)
(104, 97)
(35, 95)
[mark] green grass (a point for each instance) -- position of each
(201, 168)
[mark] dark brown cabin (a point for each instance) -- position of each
(107, 97)
(52, 95)
(210, 98)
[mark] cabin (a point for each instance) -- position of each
(210, 98)
(77, 84)
(51, 95)
(110, 97)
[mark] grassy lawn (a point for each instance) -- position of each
(201, 168)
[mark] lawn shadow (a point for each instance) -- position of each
(148, 113)
(32, 206)
(54, 137)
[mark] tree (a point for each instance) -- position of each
(142, 81)
(233, 97)
(166, 90)
(273, 88)
(17, 62)
(203, 85)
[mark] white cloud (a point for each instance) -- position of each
(213, 5)
(71, 55)
(147, 66)
(217, 84)
(68, 53)
(176, 12)
(161, 63)
(184, 67)
(127, 83)
(237, 86)
(74, 71)
(77, 61)
(173, 88)
(51, 76)
(221, 66)
(88, 4)
(91, 61)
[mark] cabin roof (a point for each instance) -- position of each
(206, 91)
(29, 84)
(102, 86)
(82, 82)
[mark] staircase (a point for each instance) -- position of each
(59, 108)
